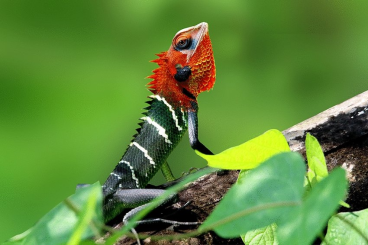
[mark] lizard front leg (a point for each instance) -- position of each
(193, 130)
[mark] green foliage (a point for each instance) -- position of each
(300, 223)
(268, 205)
(303, 224)
(272, 193)
(88, 212)
(348, 228)
(249, 154)
(316, 163)
(316, 160)
(262, 198)
(264, 235)
(78, 218)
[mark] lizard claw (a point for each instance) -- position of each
(190, 171)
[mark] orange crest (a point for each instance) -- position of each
(191, 47)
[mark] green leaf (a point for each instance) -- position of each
(348, 228)
(261, 236)
(18, 239)
(261, 198)
(305, 222)
(86, 216)
(242, 175)
(316, 170)
(316, 163)
(316, 160)
(315, 154)
(61, 223)
(251, 153)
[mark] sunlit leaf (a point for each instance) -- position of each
(251, 153)
(261, 198)
(316, 160)
(261, 236)
(315, 153)
(305, 222)
(348, 228)
(316, 163)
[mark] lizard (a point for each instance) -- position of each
(185, 70)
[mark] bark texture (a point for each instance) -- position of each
(342, 132)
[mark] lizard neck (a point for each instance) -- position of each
(178, 94)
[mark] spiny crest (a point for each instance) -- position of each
(145, 113)
(158, 73)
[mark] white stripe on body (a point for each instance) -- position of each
(171, 110)
(183, 116)
(116, 175)
(132, 172)
(160, 129)
(145, 152)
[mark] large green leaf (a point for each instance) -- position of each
(251, 153)
(348, 228)
(261, 198)
(305, 222)
(62, 224)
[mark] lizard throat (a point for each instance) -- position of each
(165, 85)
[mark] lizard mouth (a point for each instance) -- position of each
(199, 32)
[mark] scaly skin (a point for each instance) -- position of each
(185, 70)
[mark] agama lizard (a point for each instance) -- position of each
(185, 70)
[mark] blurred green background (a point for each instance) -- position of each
(72, 83)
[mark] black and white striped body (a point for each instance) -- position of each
(161, 130)
(184, 71)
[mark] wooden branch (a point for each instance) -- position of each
(334, 127)
(343, 134)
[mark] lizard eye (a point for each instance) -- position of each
(183, 44)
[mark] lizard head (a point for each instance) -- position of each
(187, 68)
